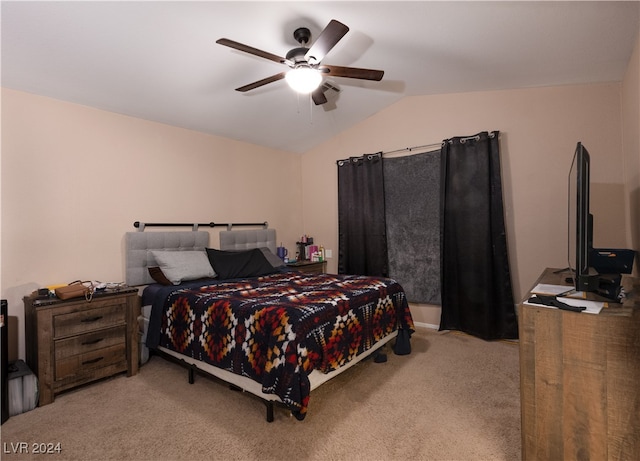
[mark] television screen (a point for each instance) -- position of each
(573, 214)
(581, 222)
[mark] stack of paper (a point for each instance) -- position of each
(567, 295)
(551, 290)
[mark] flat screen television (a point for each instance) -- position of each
(581, 222)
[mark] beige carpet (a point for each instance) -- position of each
(455, 397)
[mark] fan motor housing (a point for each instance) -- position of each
(302, 36)
(297, 54)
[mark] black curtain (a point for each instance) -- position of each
(362, 244)
(476, 290)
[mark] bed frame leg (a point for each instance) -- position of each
(191, 374)
(269, 405)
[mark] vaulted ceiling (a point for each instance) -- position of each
(160, 61)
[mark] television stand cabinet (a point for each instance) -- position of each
(580, 379)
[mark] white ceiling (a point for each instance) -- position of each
(159, 60)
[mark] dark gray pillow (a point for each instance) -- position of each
(239, 264)
(274, 260)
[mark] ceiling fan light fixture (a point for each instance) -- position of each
(304, 75)
(303, 79)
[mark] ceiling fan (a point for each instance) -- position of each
(307, 70)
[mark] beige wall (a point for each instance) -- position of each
(74, 179)
(631, 148)
(539, 130)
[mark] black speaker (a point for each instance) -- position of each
(4, 364)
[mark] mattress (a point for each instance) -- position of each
(281, 331)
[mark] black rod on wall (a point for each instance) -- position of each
(140, 225)
(405, 150)
(414, 149)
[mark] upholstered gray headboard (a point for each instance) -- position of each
(138, 246)
(248, 239)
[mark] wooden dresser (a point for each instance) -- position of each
(73, 342)
(309, 267)
(580, 379)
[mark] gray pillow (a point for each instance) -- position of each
(179, 266)
(274, 260)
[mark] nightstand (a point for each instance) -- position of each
(73, 342)
(309, 267)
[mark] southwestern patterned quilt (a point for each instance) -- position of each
(276, 329)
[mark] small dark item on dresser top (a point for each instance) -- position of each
(554, 302)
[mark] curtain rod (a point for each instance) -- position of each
(418, 149)
(436, 144)
(411, 150)
(140, 225)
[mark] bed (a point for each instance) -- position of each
(253, 322)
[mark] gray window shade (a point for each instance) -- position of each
(412, 202)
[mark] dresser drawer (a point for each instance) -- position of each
(89, 342)
(309, 267)
(89, 320)
(86, 363)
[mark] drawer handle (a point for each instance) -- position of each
(91, 319)
(93, 341)
(89, 362)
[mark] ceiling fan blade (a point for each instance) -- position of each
(318, 96)
(251, 50)
(352, 72)
(326, 40)
(259, 83)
